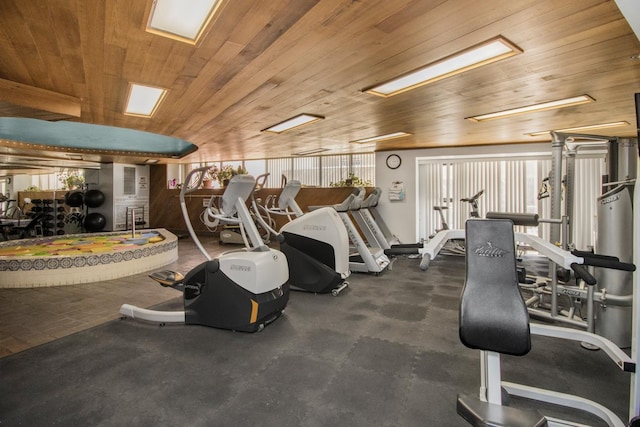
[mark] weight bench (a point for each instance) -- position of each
(494, 319)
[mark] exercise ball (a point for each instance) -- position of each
(94, 198)
(94, 222)
(73, 199)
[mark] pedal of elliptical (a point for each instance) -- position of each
(167, 278)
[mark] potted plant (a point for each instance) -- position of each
(351, 181)
(210, 177)
(71, 180)
(228, 171)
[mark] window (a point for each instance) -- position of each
(510, 185)
(312, 171)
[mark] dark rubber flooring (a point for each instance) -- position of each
(384, 353)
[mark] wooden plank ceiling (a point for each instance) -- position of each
(261, 62)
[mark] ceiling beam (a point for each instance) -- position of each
(41, 99)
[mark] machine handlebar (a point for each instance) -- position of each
(474, 197)
(190, 184)
(585, 254)
(582, 273)
(604, 261)
(526, 219)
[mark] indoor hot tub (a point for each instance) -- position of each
(84, 258)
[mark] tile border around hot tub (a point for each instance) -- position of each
(26, 272)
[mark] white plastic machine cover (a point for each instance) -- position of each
(243, 267)
(324, 224)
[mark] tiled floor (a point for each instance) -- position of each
(30, 317)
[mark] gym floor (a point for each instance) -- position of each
(34, 316)
(385, 352)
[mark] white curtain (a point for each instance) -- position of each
(510, 185)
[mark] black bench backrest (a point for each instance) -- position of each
(493, 315)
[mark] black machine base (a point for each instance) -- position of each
(311, 264)
(212, 299)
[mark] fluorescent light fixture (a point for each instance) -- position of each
(560, 103)
(382, 137)
(581, 128)
(294, 122)
(484, 53)
(309, 152)
(151, 161)
(180, 20)
(72, 156)
(143, 100)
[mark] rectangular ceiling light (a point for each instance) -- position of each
(143, 100)
(382, 137)
(560, 103)
(180, 20)
(294, 122)
(581, 128)
(481, 54)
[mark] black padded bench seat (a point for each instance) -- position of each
(493, 316)
(480, 414)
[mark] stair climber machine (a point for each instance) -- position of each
(241, 290)
(316, 244)
(376, 230)
(369, 258)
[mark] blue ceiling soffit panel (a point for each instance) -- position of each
(93, 138)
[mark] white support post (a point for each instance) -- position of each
(634, 405)
(490, 377)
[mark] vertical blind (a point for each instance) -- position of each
(323, 171)
(509, 186)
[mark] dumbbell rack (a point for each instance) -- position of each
(54, 211)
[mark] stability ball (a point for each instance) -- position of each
(94, 198)
(94, 222)
(73, 199)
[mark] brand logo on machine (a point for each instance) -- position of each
(313, 227)
(609, 199)
(238, 267)
(489, 250)
(571, 293)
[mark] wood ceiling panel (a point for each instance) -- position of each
(261, 62)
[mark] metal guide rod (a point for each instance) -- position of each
(557, 145)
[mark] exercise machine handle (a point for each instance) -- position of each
(585, 254)
(582, 273)
(190, 184)
(604, 262)
(526, 219)
(474, 197)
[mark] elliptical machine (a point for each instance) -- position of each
(316, 243)
(241, 290)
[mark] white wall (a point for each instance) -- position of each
(116, 202)
(401, 216)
